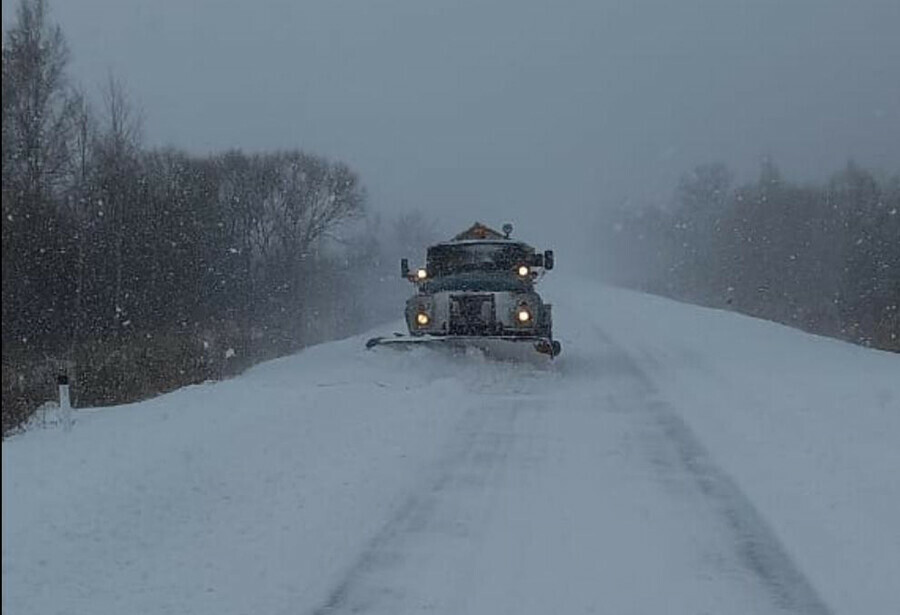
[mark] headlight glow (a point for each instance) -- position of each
(524, 270)
(422, 319)
(523, 315)
(421, 274)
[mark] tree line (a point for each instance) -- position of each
(138, 271)
(821, 257)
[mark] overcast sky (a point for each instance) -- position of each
(530, 111)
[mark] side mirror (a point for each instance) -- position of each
(548, 260)
(404, 267)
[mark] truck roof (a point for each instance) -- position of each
(481, 242)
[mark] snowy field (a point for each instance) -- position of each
(673, 460)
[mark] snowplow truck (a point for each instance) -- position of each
(478, 290)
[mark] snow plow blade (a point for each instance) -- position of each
(492, 345)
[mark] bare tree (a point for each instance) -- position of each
(117, 149)
(79, 199)
(38, 109)
(39, 104)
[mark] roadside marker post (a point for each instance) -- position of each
(65, 405)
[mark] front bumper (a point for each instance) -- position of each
(493, 345)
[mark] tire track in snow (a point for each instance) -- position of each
(758, 547)
(476, 453)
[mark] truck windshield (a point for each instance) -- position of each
(477, 281)
(447, 259)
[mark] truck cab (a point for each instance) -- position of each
(481, 284)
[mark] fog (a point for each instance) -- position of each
(535, 112)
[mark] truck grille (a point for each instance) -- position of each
(472, 315)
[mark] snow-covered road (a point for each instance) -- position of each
(673, 460)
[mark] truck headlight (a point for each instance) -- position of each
(422, 319)
(523, 315)
(524, 270)
(421, 274)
